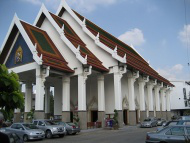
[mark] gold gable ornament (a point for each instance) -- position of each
(18, 55)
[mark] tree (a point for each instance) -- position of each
(10, 94)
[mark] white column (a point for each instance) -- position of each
(47, 99)
(28, 97)
(163, 99)
(66, 93)
(101, 93)
(157, 89)
(131, 80)
(39, 98)
(168, 100)
(82, 92)
(142, 81)
(17, 110)
(150, 86)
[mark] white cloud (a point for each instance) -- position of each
(172, 73)
(184, 35)
(89, 5)
(134, 36)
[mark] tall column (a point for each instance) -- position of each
(132, 76)
(101, 100)
(66, 99)
(150, 86)
(28, 100)
(82, 113)
(142, 81)
(157, 97)
(163, 101)
(41, 74)
(47, 101)
(168, 104)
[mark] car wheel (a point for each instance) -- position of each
(48, 134)
(25, 138)
(61, 136)
(68, 132)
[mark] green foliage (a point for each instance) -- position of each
(115, 117)
(76, 119)
(10, 95)
(30, 115)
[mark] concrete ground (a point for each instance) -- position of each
(128, 134)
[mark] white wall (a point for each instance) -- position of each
(74, 91)
(102, 55)
(124, 89)
(58, 98)
(136, 92)
(177, 96)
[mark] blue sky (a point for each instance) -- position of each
(156, 28)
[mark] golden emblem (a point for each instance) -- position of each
(18, 55)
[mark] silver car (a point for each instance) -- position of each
(149, 122)
(170, 134)
(161, 121)
(50, 128)
(26, 131)
(71, 128)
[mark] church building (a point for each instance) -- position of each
(93, 73)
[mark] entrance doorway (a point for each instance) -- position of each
(71, 116)
(125, 116)
(94, 116)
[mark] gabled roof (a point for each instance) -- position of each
(77, 42)
(108, 41)
(42, 48)
(45, 47)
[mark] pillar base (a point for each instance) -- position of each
(101, 118)
(66, 116)
(168, 115)
(17, 117)
(143, 115)
(47, 115)
(83, 119)
(151, 113)
(120, 119)
(158, 114)
(25, 118)
(132, 118)
(39, 114)
(164, 114)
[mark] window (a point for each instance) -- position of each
(16, 138)
(169, 132)
(35, 122)
(14, 126)
(41, 123)
(186, 123)
(19, 127)
(172, 123)
(178, 131)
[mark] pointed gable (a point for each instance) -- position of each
(76, 41)
(45, 47)
(20, 54)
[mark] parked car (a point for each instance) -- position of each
(8, 137)
(185, 117)
(50, 128)
(169, 123)
(169, 134)
(26, 131)
(71, 128)
(149, 122)
(161, 121)
(183, 122)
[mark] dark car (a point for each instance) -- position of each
(7, 137)
(149, 122)
(169, 134)
(161, 121)
(71, 128)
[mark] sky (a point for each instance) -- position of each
(158, 29)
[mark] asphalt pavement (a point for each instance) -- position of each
(128, 134)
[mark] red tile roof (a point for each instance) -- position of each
(45, 46)
(76, 41)
(133, 58)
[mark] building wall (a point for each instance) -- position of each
(124, 91)
(177, 95)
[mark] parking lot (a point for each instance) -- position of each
(129, 134)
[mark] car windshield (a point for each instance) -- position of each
(71, 124)
(49, 123)
(30, 126)
(147, 120)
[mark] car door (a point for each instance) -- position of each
(12, 129)
(41, 125)
(175, 135)
(20, 130)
